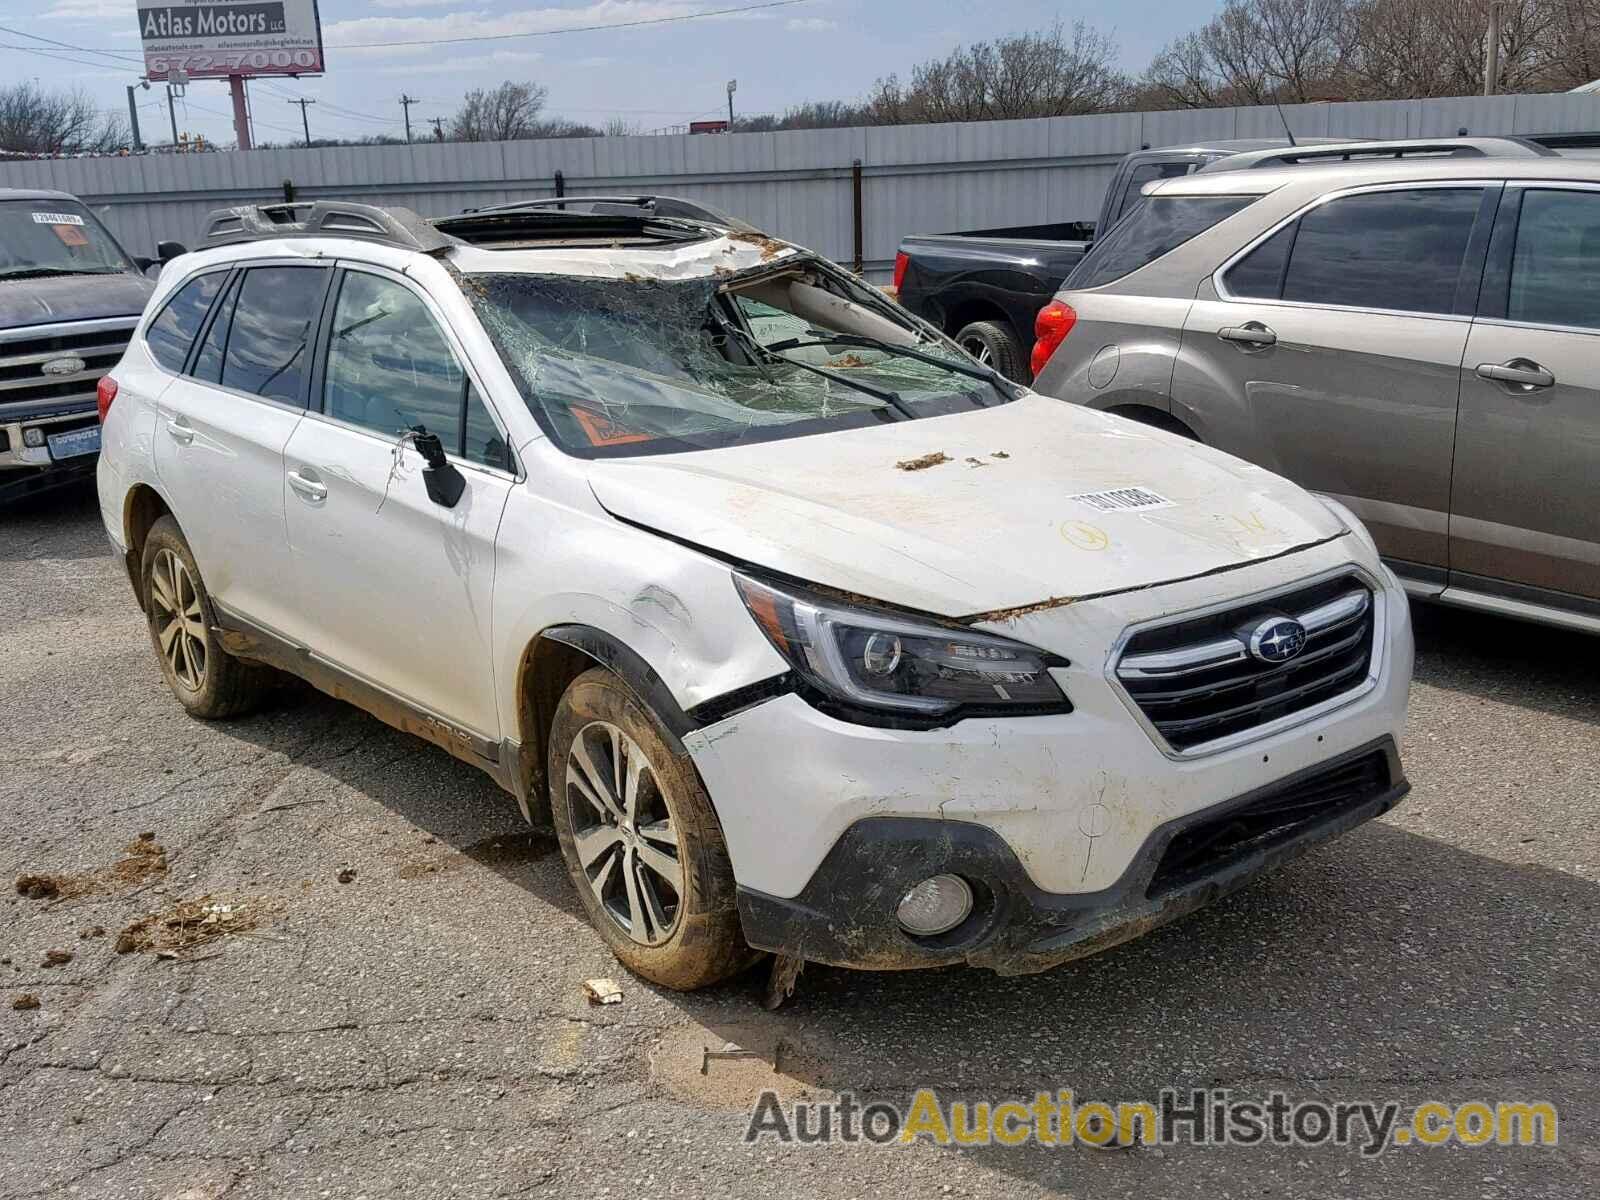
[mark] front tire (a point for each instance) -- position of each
(208, 681)
(993, 344)
(641, 841)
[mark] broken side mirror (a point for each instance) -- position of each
(167, 251)
(444, 483)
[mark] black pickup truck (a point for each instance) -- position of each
(984, 287)
(70, 297)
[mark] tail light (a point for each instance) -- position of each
(901, 262)
(104, 393)
(1050, 329)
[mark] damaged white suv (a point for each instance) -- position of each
(809, 634)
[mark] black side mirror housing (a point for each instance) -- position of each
(167, 251)
(444, 483)
(143, 261)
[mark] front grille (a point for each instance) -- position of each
(22, 378)
(1210, 846)
(1197, 679)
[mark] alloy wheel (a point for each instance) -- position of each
(179, 619)
(623, 833)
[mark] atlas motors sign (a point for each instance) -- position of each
(212, 37)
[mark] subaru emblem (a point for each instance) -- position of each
(1277, 639)
(69, 364)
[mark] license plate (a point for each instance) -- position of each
(74, 443)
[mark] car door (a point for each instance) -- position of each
(399, 583)
(221, 429)
(1329, 350)
(1523, 505)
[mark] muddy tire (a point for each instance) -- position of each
(641, 841)
(207, 680)
(993, 344)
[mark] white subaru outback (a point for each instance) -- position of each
(809, 634)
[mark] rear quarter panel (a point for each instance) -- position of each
(1120, 352)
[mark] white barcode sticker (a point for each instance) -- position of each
(1122, 499)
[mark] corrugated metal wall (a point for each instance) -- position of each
(917, 178)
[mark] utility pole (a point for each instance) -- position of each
(405, 103)
(438, 128)
(304, 124)
(1491, 52)
(133, 114)
(733, 86)
(172, 112)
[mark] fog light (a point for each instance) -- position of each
(33, 437)
(936, 905)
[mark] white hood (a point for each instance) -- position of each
(999, 526)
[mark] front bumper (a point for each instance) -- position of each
(25, 469)
(1062, 810)
(845, 914)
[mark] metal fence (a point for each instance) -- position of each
(798, 185)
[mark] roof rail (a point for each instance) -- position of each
(1399, 149)
(646, 205)
(325, 218)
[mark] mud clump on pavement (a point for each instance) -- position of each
(190, 924)
(145, 859)
(56, 958)
(38, 887)
(923, 463)
(25, 1001)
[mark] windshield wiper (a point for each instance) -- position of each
(826, 337)
(892, 399)
(40, 272)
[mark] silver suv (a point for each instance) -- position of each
(1417, 339)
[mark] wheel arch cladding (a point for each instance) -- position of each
(141, 509)
(549, 665)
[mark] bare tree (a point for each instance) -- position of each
(34, 121)
(1257, 52)
(507, 113)
(1405, 48)
(1050, 74)
(1568, 53)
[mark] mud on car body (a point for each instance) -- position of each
(808, 633)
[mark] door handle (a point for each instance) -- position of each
(1251, 333)
(1521, 373)
(180, 432)
(307, 488)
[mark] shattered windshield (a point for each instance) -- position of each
(645, 366)
(54, 237)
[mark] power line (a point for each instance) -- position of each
(122, 54)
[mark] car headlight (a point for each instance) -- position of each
(900, 666)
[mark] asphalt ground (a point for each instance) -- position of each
(421, 1029)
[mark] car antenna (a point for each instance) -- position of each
(1287, 132)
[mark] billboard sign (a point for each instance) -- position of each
(210, 38)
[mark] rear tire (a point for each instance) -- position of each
(208, 681)
(994, 345)
(641, 841)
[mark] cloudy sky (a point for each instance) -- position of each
(653, 76)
